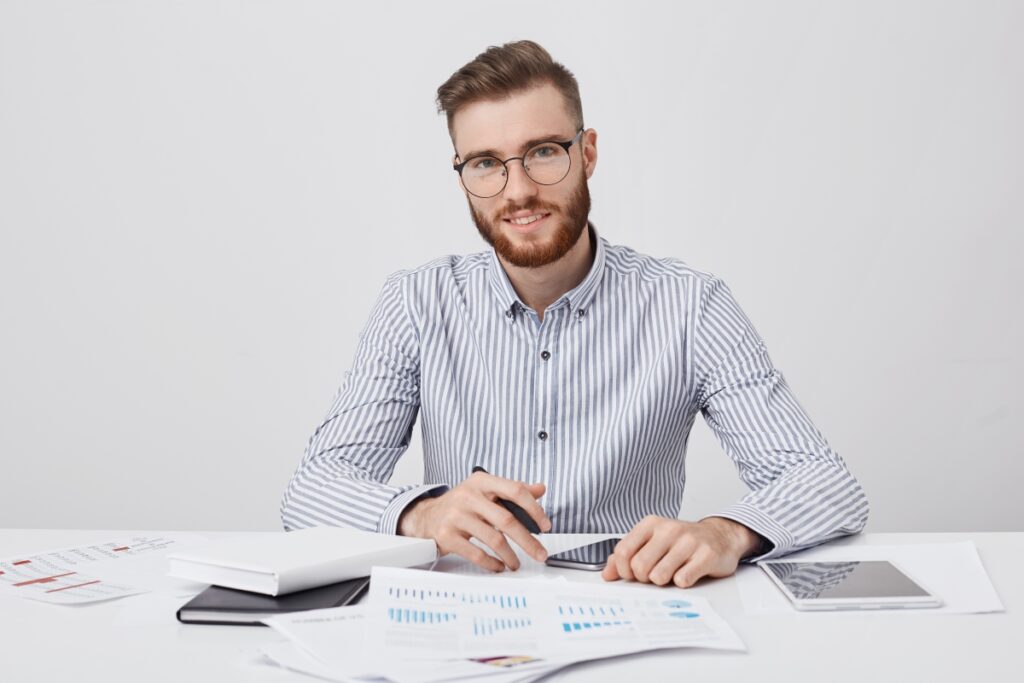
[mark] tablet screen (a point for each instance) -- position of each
(827, 580)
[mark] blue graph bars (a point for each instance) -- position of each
(501, 601)
(488, 627)
(572, 627)
(420, 594)
(591, 611)
(583, 618)
(401, 615)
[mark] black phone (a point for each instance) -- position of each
(591, 557)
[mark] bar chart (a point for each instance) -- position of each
(402, 615)
(422, 594)
(425, 615)
(486, 626)
(581, 618)
(497, 600)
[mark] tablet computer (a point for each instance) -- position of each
(875, 584)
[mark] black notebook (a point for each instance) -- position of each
(217, 605)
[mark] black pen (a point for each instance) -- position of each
(520, 514)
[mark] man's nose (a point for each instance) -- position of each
(518, 186)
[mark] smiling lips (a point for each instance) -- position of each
(526, 222)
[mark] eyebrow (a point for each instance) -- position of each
(525, 146)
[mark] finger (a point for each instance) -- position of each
(610, 573)
(505, 522)
(621, 556)
(650, 554)
(492, 538)
(630, 543)
(681, 551)
(694, 569)
(522, 495)
(463, 548)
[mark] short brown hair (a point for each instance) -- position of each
(499, 72)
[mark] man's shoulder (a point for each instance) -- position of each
(627, 262)
(452, 267)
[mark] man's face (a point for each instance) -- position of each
(506, 126)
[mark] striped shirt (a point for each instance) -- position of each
(596, 401)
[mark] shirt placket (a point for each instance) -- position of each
(544, 359)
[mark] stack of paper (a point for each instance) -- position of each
(97, 572)
(420, 627)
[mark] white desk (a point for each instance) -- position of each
(135, 639)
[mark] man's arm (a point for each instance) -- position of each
(342, 478)
(802, 493)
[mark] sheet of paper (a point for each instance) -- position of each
(287, 656)
(528, 569)
(416, 614)
(334, 637)
(365, 642)
(338, 640)
(952, 571)
(95, 572)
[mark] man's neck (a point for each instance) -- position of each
(540, 287)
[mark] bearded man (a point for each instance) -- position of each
(567, 369)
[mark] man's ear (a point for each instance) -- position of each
(458, 176)
(589, 150)
(455, 161)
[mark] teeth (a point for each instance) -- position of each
(527, 220)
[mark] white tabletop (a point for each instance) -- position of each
(138, 638)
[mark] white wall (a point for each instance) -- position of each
(200, 200)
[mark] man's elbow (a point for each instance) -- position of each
(290, 520)
(859, 508)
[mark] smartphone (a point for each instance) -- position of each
(591, 557)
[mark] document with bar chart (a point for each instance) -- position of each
(430, 615)
(338, 638)
(83, 574)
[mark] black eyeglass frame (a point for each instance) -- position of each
(563, 144)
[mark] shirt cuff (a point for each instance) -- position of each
(754, 519)
(388, 523)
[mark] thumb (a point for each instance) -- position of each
(537, 489)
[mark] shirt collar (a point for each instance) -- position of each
(578, 298)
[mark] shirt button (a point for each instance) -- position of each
(580, 313)
(545, 355)
(542, 435)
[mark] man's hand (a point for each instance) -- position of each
(662, 551)
(470, 510)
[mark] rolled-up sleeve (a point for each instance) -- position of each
(802, 492)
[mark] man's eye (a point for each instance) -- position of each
(483, 164)
(546, 152)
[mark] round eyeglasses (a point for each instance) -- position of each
(546, 163)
